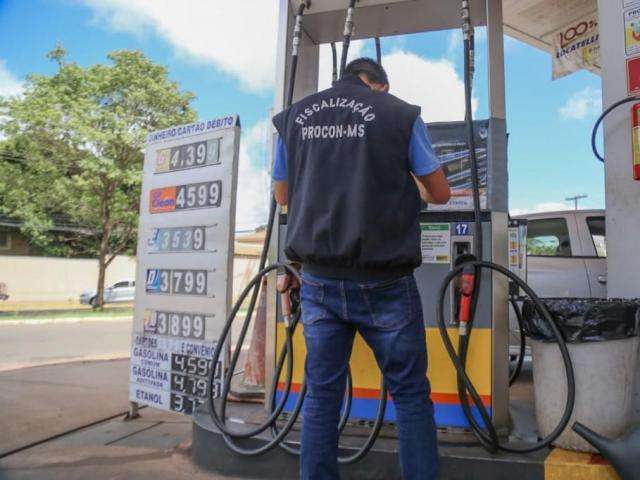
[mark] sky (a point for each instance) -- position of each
(224, 52)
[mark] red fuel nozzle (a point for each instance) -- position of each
(466, 292)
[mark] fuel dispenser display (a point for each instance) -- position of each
(449, 141)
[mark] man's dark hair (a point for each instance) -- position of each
(368, 67)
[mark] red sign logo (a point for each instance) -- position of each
(633, 75)
(162, 200)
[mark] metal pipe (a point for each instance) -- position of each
(348, 33)
(334, 70)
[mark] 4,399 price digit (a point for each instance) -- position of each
(196, 154)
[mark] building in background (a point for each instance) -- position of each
(36, 282)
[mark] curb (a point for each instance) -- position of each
(87, 358)
(38, 321)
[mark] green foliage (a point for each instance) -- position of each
(77, 139)
(535, 246)
(81, 134)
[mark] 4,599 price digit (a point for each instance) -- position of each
(199, 195)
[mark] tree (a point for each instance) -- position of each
(74, 151)
(537, 246)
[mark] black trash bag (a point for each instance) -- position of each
(583, 319)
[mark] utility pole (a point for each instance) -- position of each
(575, 200)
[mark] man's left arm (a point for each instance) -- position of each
(279, 176)
(425, 167)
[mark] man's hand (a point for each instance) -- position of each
(285, 283)
(280, 192)
(434, 187)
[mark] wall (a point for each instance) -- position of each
(32, 280)
(46, 282)
(622, 193)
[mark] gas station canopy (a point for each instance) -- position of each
(535, 21)
(531, 21)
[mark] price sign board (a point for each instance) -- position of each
(185, 259)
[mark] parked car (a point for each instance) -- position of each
(123, 291)
(566, 257)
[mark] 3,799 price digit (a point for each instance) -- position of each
(179, 282)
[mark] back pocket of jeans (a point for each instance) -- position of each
(389, 303)
(312, 300)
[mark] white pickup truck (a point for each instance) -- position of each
(566, 257)
(566, 253)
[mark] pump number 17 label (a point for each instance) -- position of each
(462, 229)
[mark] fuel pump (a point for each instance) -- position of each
(465, 245)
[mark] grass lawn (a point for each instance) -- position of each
(75, 313)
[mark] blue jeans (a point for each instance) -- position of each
(388, 315)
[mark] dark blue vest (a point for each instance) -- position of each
(353, 205)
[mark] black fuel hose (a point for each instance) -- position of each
(382, 404)
(371, 438)
(286, 354)
(523, 343)
(602, 116)
(486, 433)
(230, 436)
(254, 288)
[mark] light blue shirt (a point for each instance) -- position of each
(422, 158)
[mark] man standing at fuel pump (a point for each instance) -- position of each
(352, 163)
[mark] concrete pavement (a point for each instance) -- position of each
(39, 402)
(153, 447)
(47, 343)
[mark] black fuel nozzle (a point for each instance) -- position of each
(289, 288)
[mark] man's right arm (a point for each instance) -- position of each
(425, 167)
